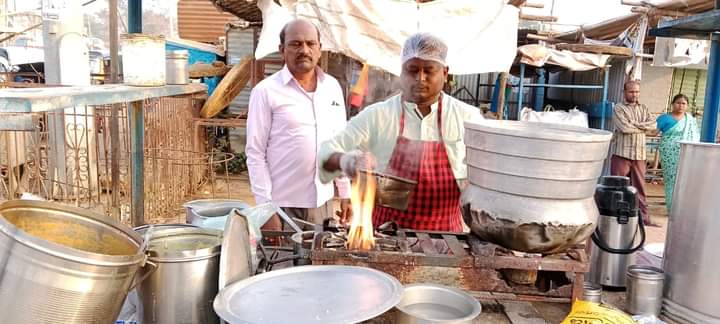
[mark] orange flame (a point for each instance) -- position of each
(362, 198)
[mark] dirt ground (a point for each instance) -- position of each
(494, 312)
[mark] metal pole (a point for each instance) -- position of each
(604, 102)
(137, 144)
(134, 16)
(137, 134)
(712, 94)
(114, 116)
(540, 91)
(520, 90)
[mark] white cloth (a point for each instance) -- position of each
(285, 127)
(538, 55)
(481, 35)
(677, 52)
(574, 117)
(375, 130)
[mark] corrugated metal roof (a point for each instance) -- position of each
(240, 43)
(244, 9)
(201, 21)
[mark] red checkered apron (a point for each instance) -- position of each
(435, 202)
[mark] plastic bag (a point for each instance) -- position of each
(585, 312)
(257, 217)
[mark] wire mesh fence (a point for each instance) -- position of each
(67, 156)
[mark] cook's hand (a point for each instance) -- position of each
(353, 161)
(345, 212)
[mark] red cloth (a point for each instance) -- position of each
(435, 202)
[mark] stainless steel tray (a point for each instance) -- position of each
(309, 294)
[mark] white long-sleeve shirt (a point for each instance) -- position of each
(285, 127)
(375, 130)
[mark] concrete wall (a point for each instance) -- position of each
(655, 87)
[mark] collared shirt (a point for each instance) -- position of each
(285, 127)
(631, 122)
(375, 129)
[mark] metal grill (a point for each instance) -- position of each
(64, 155)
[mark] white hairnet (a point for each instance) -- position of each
(424, 46)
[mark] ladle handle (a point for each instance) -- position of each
(146, 275)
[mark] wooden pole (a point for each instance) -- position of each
(538, 18)
(501, 95)
(114, 116)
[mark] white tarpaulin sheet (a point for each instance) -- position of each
(481, 35)
(677, 52)
(538, 55)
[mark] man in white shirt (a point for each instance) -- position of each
(417, 135)
(290, 114)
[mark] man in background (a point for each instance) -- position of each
(290, 114)
(632, 120)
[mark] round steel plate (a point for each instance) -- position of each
(309, 294)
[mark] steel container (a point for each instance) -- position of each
(618, 234)
(62, 264)
(691, 259)
(531, 184)
(535, 159)
(185, 283)
(143, 60)
(608, 269)
(431, 303)
(176, 67)
(592, 292)
(644, 290)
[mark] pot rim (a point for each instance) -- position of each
(186, 255)
(65, 252)
(476, 306)
(646, 272)
(541, 131)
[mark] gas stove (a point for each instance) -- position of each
(464, 261)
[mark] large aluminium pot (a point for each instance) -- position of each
(185, 283)
(531, 184)
(691, 260)
(61, 264)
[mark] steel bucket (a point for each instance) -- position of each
(185, 283)
(60, 264)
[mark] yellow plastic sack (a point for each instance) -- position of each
(585, 312)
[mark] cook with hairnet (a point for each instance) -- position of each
(416, 135)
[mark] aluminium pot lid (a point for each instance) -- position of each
(309, 294)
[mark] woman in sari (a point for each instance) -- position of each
(677, 125)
